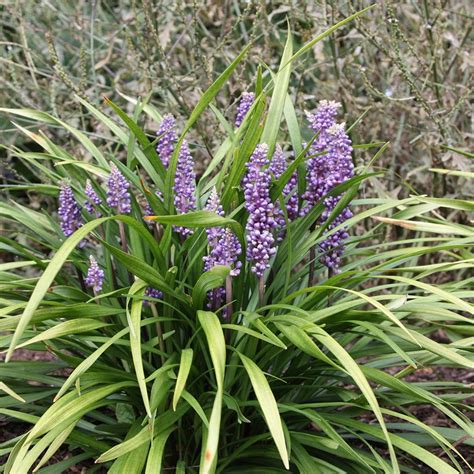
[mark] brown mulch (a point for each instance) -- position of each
(26, 354)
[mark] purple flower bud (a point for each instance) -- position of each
(167, 139)
(95, 276)
(261, 221)
(69, 212)
(118, 196)
(184, 186)
(92, 200)
(244, 106)
(152, 293)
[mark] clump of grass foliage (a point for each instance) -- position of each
(305, 377)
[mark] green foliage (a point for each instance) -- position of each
(311, 380)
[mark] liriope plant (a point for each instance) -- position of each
(254, 319)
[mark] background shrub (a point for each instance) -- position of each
(311, 372)
(405, 64)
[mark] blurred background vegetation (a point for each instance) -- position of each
(405, 67)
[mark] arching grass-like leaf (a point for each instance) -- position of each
(184, 369)
(268, 405)
(76, 326)
(199, 219)
(214, 278)
(357, 375)
(134, 318)
(155, 456)
(277, 104)
(215, 340)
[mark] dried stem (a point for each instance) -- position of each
(261, 290)
(123, 244)
(97, 300)
(312, 260)
(228, 297)
(312, 264)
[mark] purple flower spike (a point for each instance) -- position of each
(333, 166)
(332, 248)
(224, 249)
(149, 212)
(339, 155)
(167, 139)
(341, 169)
(92, 200)
(261, 221)
(214, 203)
(277, 167)
(184, 186)
(118, 196)
(317, 184)
(69, 212)
(244, 106)
(95, 276)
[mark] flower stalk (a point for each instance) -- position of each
(228, 297)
